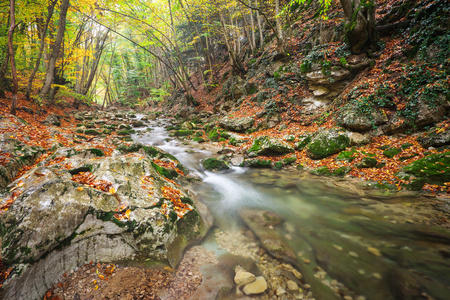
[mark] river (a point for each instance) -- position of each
(344, 241)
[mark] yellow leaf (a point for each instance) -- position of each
(127, 213)
(112, 190)
(80, 188)
(95, 281)
(20, 183)
(96, 287)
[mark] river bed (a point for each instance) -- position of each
(346, 241)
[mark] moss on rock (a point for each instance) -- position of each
(211, 164)
(326, 143)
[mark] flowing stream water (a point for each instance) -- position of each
(378, 247)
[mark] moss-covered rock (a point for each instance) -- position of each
(212, 164)
(435, 139)
(303, 141)
(341, 171)
(322, 171)
(367, 162)
(257, 163)
(264, 145)
(432, 169)
(181, 132)
(391, 152)
(92, 132)
(347, 155)
(326, 143)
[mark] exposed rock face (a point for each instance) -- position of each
(125, 211)
(327, 85)
(356, 121)
(237, 124)
(14, 155)
(265, 145)
(434, 139)
(52, 120)
(327, 142)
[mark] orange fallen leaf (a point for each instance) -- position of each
(112, 190)
(20, 184)
(80, 188)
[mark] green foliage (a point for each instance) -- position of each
(391, 152)
(211, 164)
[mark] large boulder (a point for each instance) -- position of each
(357, 121)
(265, 145)
(14, 155)
(327, 142)
(106, 209)
(236, 124)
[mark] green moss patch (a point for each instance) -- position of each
(211, 164)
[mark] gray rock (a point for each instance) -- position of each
(356, 121)
(15, 155)
(53, 120)
(237, 124)
(58, 224)
(433, 139)
(256, 287)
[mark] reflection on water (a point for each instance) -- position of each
(372, 247)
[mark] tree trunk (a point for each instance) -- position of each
(56, 47)
(41, 47)
(360, 25)
(277, 19)
(12, 4)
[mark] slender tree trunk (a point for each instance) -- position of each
(277, 19)
(41, 47)
(12, 5)
(98, 52)
(252, 24)
(49, 76)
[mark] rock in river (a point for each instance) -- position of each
(76, 207)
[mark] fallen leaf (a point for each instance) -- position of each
(80, 188)
(20, 184)
(112, 190)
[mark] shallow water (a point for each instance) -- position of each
(375, 248)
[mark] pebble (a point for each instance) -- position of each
(374, 251)
(297, 274)
(348, 298)
(307, 286)
(292, 285)
(334, 282)
(256, 287)
(338, 247)
(243, 277)
(354, 254)
(280, 291)
(376, 275)
(306, 261)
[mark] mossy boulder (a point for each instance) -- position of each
(257, 163)
(341, 171)
(303, 141)
(346, 155)
(322, 171)
(327, 143)
(236, 124)
(124, 126)
(355, 120)
(432, 169)
(213, 164)
(367, 162)
(391, 152)
(265, 145)
(71, 224)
